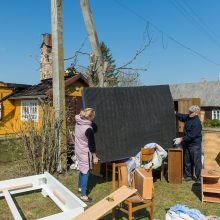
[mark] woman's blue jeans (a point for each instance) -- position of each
(82, 182)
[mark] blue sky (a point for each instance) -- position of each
(185, 37)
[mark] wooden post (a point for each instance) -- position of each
(93, 38)
(113, 177)
(58, 78)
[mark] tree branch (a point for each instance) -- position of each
(135, 56)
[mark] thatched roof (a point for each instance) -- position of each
(208, 92)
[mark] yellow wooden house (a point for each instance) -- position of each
(22, 102)
(7, 109)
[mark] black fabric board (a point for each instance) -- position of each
(130, 117)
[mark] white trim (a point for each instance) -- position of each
(30, 105)
(12, 205)
(27, 97)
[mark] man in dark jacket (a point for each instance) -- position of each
(192, 142)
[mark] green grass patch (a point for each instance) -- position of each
(29, 205)
(5, 212)
(166, 195)
(10, 151)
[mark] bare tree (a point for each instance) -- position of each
(96, 60)
(128, 79)
(98, 66)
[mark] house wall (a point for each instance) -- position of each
(11, 122)
(4, 90)
(76, 89)
(8, 111)
(208, 111)
(6, 107)
(73, 105)
(74, 102)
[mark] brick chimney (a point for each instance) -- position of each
(46, 57)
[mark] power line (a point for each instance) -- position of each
(194, 19)
(164, 33)
(201, 20)
(193, 51)
(78, 51)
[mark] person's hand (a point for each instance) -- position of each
(177, 140)
(95, 159)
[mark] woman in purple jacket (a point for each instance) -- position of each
(85, 148)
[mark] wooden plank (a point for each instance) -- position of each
(210, 186)
(211, 140)
(212, 150)
(60, 196)
(210, 173)
(16, 187)
(55, 199)
(211, 197)
(209, 164)
(12, 205)
(67, 215)
(106, 204)
(211, 189)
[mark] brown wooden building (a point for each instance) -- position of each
(207, 91)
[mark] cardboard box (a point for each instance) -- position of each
(144, 183)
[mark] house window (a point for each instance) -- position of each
(215, 114)
(29, 110)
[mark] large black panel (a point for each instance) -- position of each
(130, 117)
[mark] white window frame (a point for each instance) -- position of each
(31, 107)
(71, 206)
(216, 114)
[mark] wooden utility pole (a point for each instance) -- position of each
(58, 78)
(93, 38)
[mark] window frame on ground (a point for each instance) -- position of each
(29, 110)
(70, 205)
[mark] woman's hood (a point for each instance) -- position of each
(81, 121)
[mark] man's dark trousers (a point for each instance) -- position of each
(193, 158)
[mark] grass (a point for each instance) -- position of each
(12, 165)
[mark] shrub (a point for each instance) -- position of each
(43, 151)
(211, 123)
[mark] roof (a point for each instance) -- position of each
(33, 91)
(45, 88)
(16, 88)
(208, 92)
(69, 81)
(14, 85)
